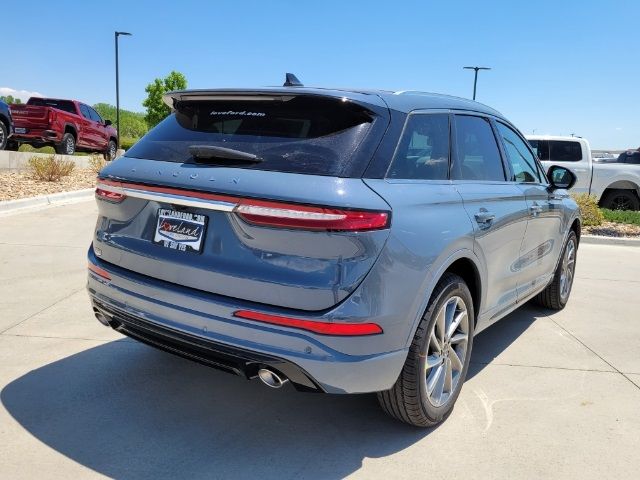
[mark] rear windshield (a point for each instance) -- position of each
(301, 134)
(65, 105)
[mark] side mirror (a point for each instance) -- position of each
(561, 178)
(107, 123)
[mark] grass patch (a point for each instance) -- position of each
(621, 216)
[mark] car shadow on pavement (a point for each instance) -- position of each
(126, 411)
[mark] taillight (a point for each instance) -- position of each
(276, 214)
(322, 328)
(258, 212)
(110, 196)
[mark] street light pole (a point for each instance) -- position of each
(475, 77)
(116, 35)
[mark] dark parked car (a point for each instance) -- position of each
(6, 124)
(344, 241)
(630, 156)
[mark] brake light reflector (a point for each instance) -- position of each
(322, 328)
(101, 272)
(276, 214)
(113, 197)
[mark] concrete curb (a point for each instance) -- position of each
(17, 161)
(601, 240)
(43, 201)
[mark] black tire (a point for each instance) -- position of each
(620, 200)
(4, 135)
(552, 297)
(408, 400)
(110, 152)
(67, 146)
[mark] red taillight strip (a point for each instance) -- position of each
(110, 195)
(258, 212)
(101, 272)
(322, 328)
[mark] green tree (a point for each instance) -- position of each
(157, 110)
(132, 124)
(10, 99)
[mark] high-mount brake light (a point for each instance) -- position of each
(321, 328)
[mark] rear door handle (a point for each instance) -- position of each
(484, 218)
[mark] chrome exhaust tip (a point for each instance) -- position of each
(271, 378)
(102, 318)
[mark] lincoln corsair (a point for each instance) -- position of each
(344, 241)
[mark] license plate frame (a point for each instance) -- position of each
(179, 230)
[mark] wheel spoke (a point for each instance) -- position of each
(433, 380)
(458, 338)
(434, 343)
(438, 388)
(433, 360)
(448, 377)
(456, 362)
(456, 323)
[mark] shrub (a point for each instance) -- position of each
(50, 168)
(97, 163)
(622, 216)
(591, 214)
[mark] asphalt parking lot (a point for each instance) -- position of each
(550, 395)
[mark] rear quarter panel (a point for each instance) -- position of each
(430, 230)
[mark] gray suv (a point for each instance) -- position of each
(343, 241)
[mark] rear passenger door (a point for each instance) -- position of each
(498, 209)
(544, 238)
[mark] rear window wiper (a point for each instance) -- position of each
(212, 152)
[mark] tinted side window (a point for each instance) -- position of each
(478, 157)
(522, 161)
(423, 152)
(85, 111)
(565, 151)
(541, 147)
(94, 115)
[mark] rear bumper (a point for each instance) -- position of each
(197, 326)
(222, 357)
(36, 135)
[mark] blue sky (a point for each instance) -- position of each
(559, 67)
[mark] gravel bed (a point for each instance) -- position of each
(611, 229)
(15, 185)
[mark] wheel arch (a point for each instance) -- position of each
(465, 264)
(70, 128)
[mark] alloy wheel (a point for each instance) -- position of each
(447, 351)
(567, 269)
(621, 203)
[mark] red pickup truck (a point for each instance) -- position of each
(67, 125)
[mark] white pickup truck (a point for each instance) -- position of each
(616, 185)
